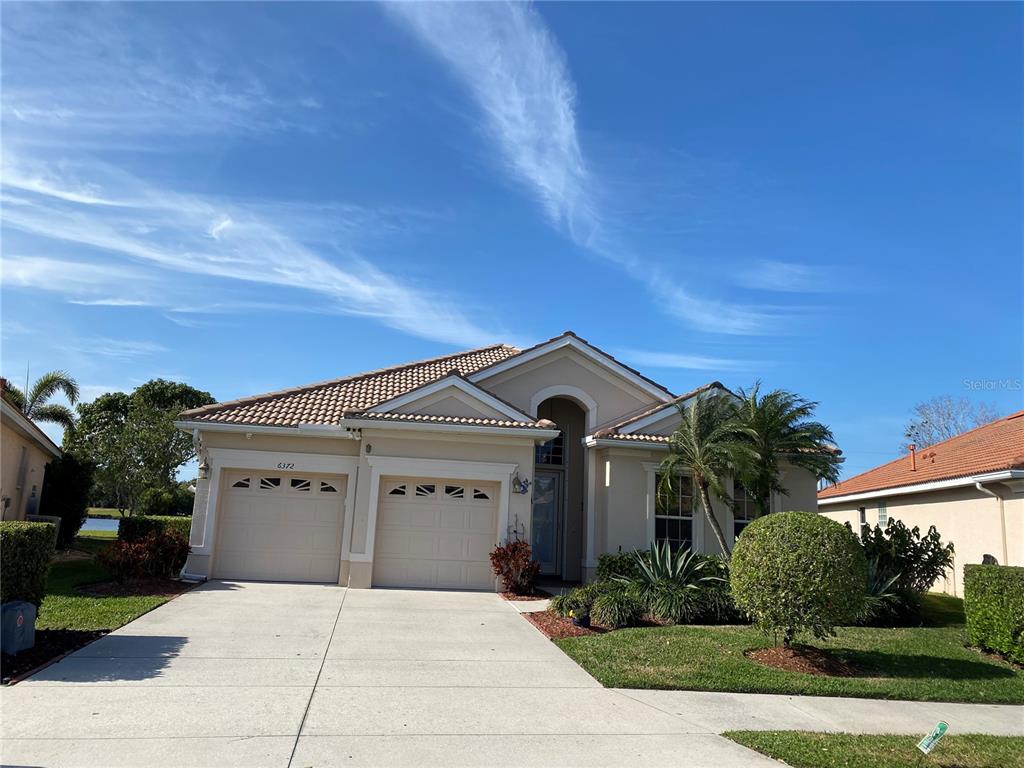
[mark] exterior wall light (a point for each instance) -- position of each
(519, 484)
(204, 470)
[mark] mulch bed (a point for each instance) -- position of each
(538, 594)
(557, 627)
(805, 659)
(147, 587)
(50, 645)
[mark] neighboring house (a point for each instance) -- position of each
(409, 476)
(970, 487)
(25, 450)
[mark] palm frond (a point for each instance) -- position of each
(15, 396)
(49, 384)
(55, 414)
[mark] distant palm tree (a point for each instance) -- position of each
(781, 427)
(709, 443)
(34, 404)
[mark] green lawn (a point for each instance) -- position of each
(65, 608)
(93, 541)
(926, 664)
(801, 749)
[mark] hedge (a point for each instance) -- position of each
(27, 550)
(613, 564)
(994, 604)
(136, 528)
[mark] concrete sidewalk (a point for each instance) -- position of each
(278, 675)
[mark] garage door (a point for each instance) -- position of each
(435, 533)
(280, 527)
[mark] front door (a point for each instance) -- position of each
(547, 520)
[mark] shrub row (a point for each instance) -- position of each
(161, 554)
(27, 549)
(994, 604)
(132, 529)
(157, 502)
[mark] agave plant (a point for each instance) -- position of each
(670, 585)
(880, 593)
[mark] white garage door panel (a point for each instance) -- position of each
(436, 533)
(276, 527)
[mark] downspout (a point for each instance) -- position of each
(1002, 517)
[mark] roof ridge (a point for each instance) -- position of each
(341, 380)
(596, 348)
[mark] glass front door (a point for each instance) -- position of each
(547, 517)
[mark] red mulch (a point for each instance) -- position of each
(802, 658)
(50, 645)
(147, 587)
(556, 627)
(538, 594)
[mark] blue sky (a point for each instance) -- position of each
(246, 196)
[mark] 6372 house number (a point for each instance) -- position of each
(285, 465)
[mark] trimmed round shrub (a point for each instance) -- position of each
(27, 549)
(796, 572)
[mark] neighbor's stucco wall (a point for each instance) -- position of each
(963, 516)
(614, 396)
(23, 485)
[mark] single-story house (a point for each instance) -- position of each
(970, 487)
(409, 476)
(25, 450)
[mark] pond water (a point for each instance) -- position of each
(99, 524)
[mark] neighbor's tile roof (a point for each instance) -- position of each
(328, 401)
(990, 448)
(636, 437)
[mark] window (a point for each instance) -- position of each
(398, 490)
(425, 490)
(454, 491)
(481, 494)
(863, 516)
(673, 518)
(243, 483)
(883, 515)
(551, 453)
(269, 483)
(327, 488)
(744, 509)
(298, 484)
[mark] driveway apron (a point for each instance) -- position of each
(255, 674)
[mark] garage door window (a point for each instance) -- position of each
(243, 483)
(269, 483)
(327, 488)
(425, 490)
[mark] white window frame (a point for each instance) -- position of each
(883, 514)
(652, 468)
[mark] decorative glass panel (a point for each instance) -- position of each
(269, 483)
(479, 494)
(454, 491)
(327, 488)
(551, 453)
(425, 490)
(398, 490)
(298, 484)
(243, 483)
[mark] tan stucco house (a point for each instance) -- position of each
(970, 487)
(409, 476)
(25, 450)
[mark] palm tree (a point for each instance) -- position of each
(34, 404)
(781, 427)
(709, 443)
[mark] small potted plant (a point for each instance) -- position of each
(580, 620)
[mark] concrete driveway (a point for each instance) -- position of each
(253, 674)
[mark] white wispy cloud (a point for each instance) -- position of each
(155, 228)
(788, 277)
(519, 77)
(654, 359)
(118, 349)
